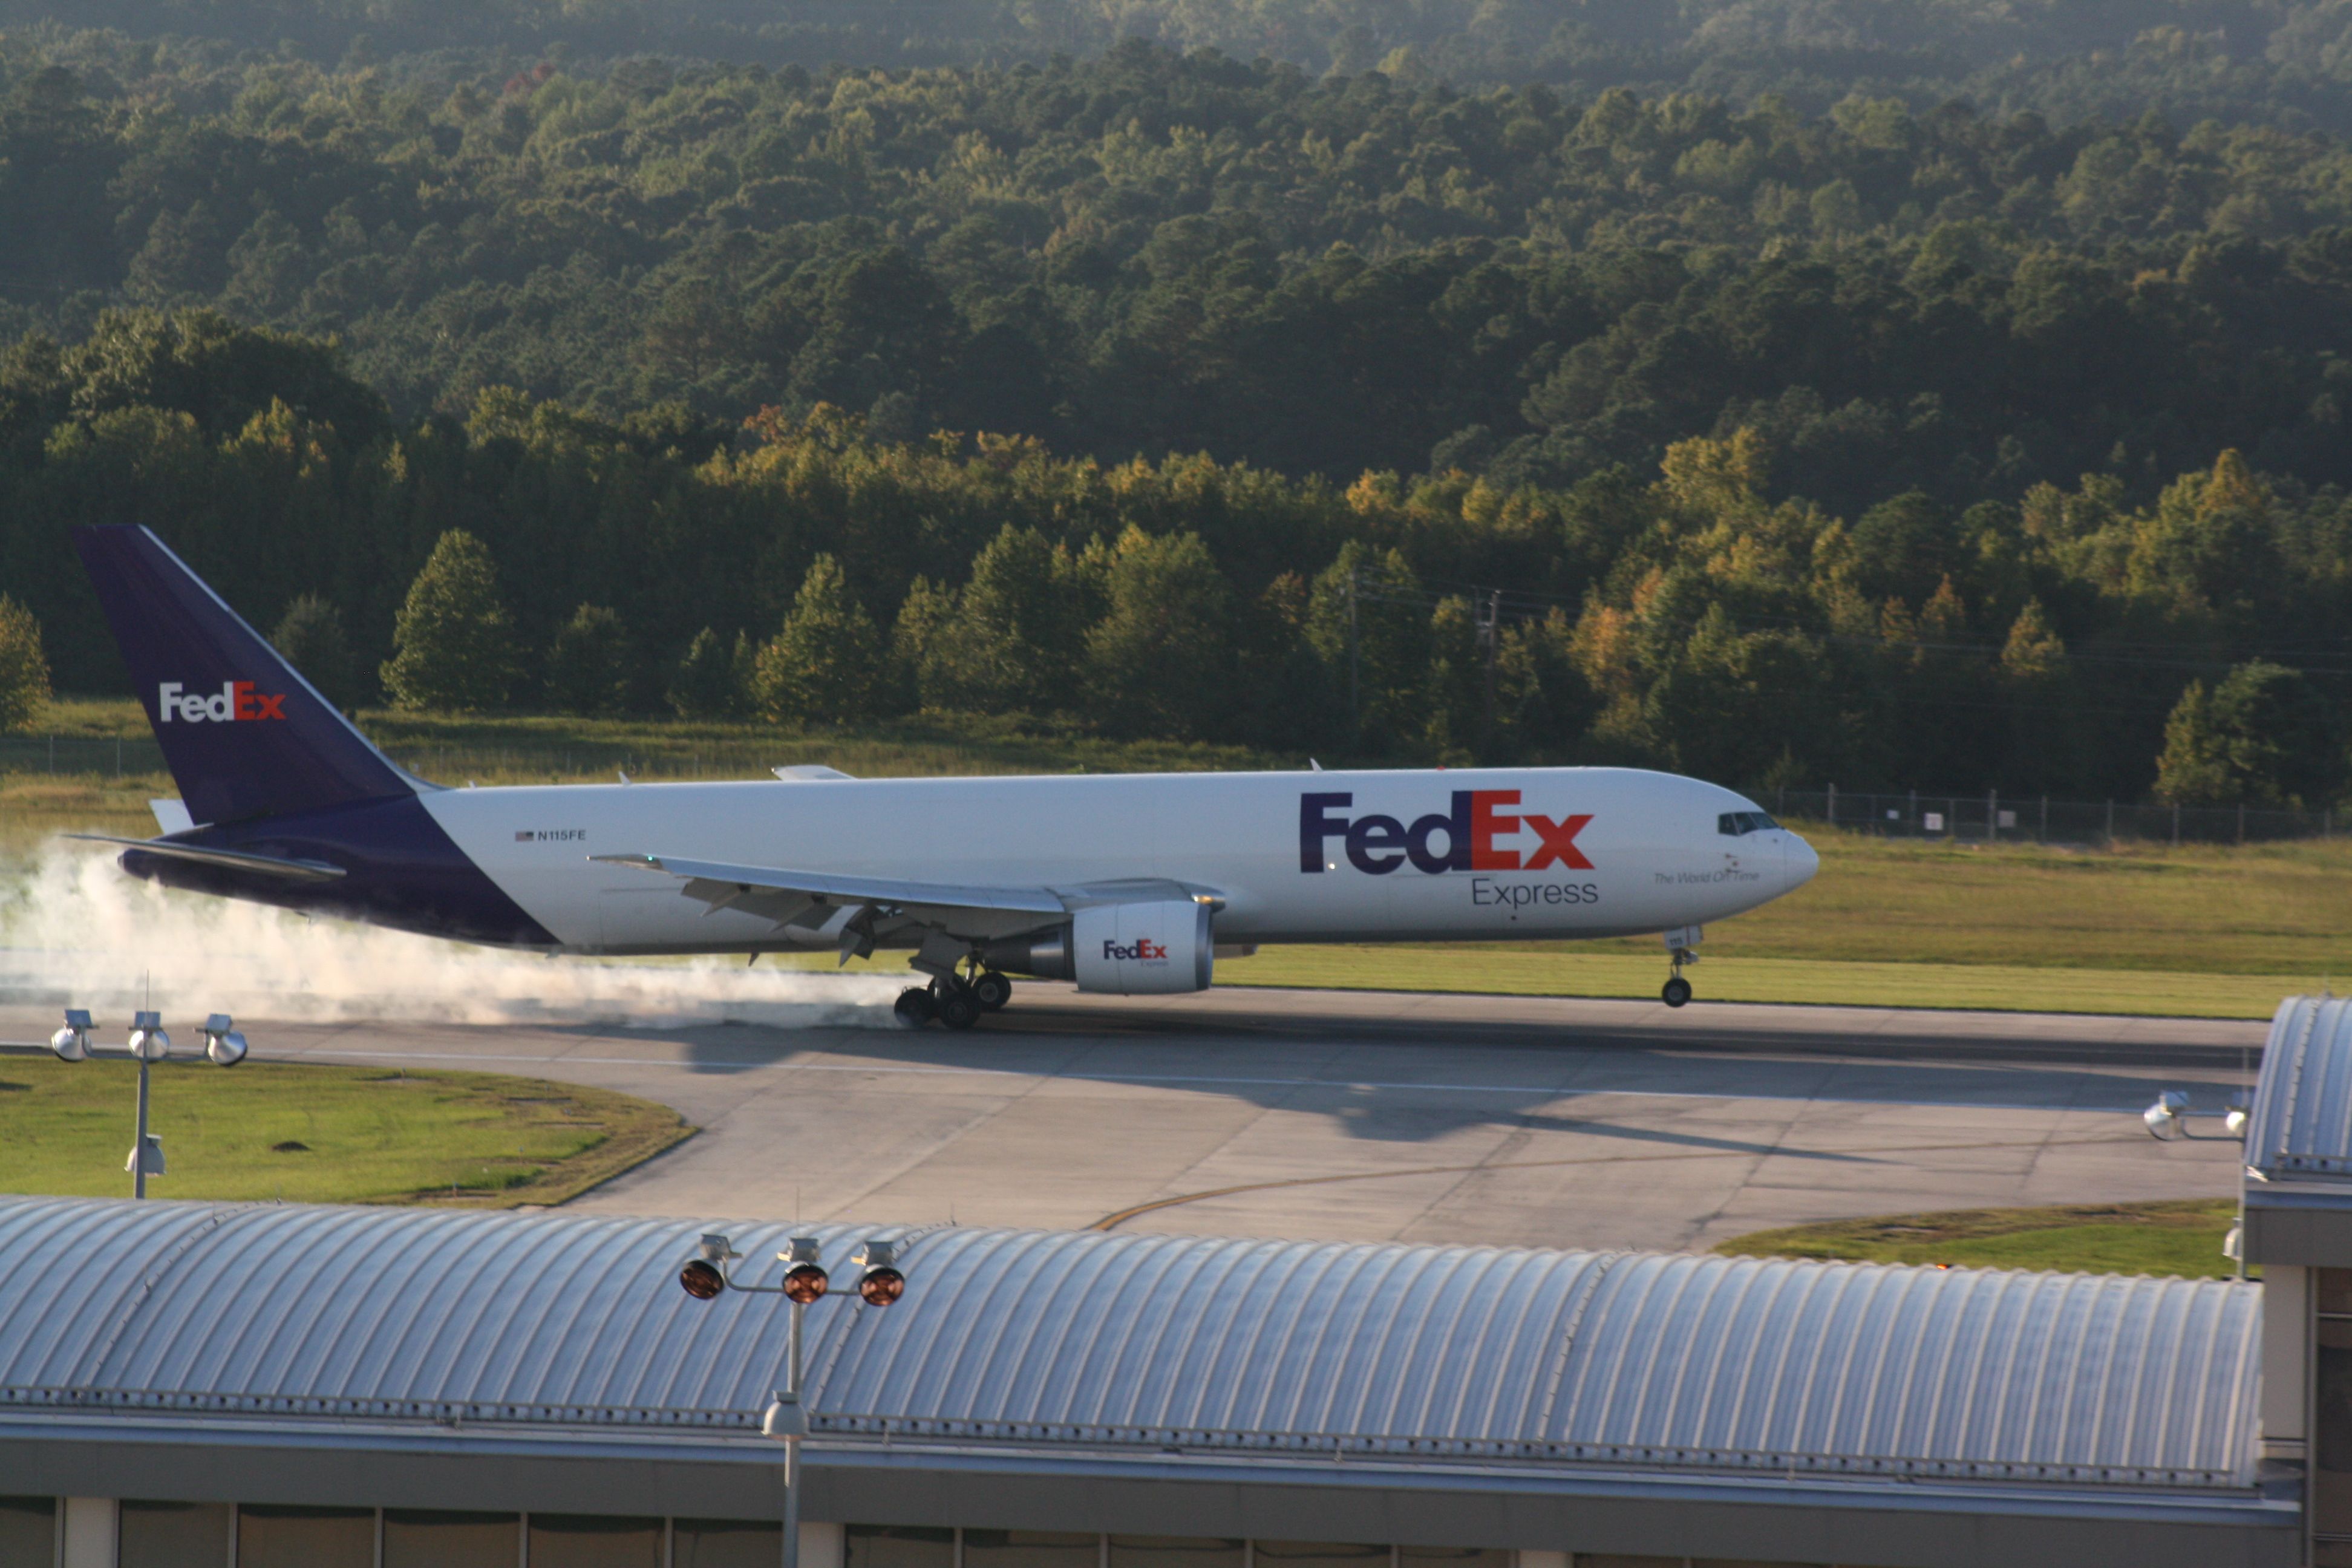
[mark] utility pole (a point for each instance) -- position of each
(1355, 660)
(1490, 638)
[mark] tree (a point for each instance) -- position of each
(311, 635)
(825, 665)
(24, 671)
(704, 684)
(588, 663)
(2260, 737)
(1159, 661)
(1016, 632)
(453, 643)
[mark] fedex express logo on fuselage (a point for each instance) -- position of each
(236, 702)
(1377, 844)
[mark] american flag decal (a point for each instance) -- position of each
(523, 836)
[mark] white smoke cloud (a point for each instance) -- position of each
(74, 928)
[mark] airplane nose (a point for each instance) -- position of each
(1798, 864)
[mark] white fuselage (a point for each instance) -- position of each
(1285, 860)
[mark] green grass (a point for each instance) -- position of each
(1733, 977)
(2206, 930)
(2181, 1237)
(321, 1134)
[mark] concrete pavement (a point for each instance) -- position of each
(1374, 1116)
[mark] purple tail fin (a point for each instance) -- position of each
(244, 735)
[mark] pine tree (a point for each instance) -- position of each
(825, 665)
(454, 645)
(588, 664)
(704, 684)
(311, 635)
(1160, 662)
(24, 671)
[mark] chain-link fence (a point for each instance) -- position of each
(1995, 817)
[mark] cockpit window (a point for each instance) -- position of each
(1732, 824)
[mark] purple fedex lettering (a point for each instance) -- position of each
(1376, 844)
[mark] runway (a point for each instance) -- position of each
(1362, 1116)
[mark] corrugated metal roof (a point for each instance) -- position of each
(2301, 1122)
(1052, 1337)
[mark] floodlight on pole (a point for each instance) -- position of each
(704, 1277)
(147, 1044)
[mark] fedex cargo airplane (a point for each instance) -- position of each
(1121, 883)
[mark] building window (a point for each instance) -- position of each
(2331, 1418)
(1176, 1552)
(898, 1546)
(28, 1531)
(724, 1543)
(172, 1535)
(444, 1538)
(594, 1541)
(1030, 1549)
(1318, 1555)
(268, 1536)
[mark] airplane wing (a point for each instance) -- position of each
(809, 898)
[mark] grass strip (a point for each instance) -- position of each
(2181, 1237)
(312, 1133)
(1545, 971)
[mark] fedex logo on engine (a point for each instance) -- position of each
(235, 701)
(1142, 949)
(1377, 844)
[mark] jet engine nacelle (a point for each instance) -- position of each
(1126, 950)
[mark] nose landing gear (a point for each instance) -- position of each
(1683, 945)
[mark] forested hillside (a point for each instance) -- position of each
(1151, 254)
(1915, 441)
(798, 568)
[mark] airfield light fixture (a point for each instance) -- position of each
(2163, 1118)
(148, 1041)
(881, 1284)
(223, 1044)
(702, 1281)
(805, 1282)
(2239, 1112)
(72, 1042)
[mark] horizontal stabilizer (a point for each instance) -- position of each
(231, 860)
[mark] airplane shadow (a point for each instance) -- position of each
(1376, 1087)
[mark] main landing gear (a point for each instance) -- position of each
(953, 1000)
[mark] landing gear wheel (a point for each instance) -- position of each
(959, 1009)
(1675, 992)
(992, 989)
(915, 1007)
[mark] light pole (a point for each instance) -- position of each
(705, 1277)
(148, 1044)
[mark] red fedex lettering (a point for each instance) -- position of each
(1559, 841)
(1486, 828)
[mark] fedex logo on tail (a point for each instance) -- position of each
(235, 701)
(1377, 844)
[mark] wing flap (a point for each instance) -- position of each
(760, 889)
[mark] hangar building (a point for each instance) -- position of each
(264, 1385)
